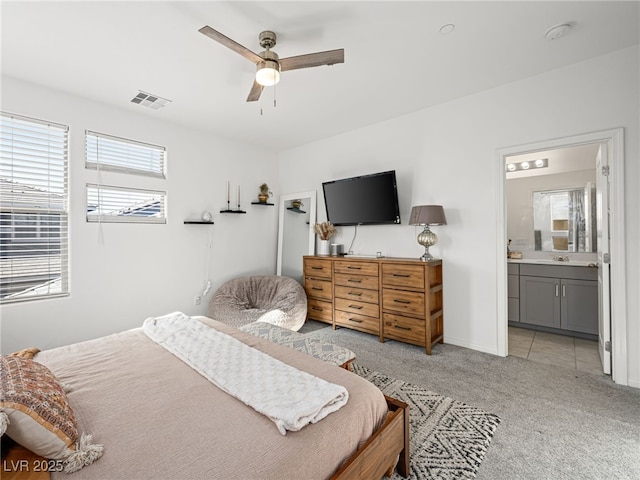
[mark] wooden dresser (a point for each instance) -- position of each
(396, 298)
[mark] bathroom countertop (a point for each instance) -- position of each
(544, 261)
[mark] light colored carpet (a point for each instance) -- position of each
(556, 423)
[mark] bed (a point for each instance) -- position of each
(158, 418)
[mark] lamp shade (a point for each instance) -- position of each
(427, 215)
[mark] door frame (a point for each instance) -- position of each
(615, 145)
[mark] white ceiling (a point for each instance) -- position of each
(396, 60)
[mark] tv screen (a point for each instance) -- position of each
(365, 200)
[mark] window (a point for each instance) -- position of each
(118, 204)
(106, 203)
(33, 209)
(105, 152)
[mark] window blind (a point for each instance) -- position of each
(33, 209)
(106, 152)
(107, 203)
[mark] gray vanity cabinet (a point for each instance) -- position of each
(559, 297)
(513, 289)
(579, 305)
(540, 301)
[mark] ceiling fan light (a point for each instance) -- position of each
(268, 73)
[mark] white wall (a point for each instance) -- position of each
(138, 270)
(447, 155)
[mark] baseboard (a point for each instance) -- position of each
(634, 382)
(460, 342)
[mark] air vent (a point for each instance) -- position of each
(150, 100)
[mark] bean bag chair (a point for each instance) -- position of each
(271, 299)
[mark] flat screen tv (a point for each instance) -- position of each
(365, 200)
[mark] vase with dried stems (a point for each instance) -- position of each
(325, 231)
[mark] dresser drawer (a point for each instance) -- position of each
(318, 288)
(317, 267)
(319, 310)
(411, 276)
(358, 322)
(359, 294)
(361, 281)
(353, 306)
(404, 302)
(360, 268)
(404, 329)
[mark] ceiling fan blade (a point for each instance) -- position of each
(312, 60)
(232, 44)
(254, 94)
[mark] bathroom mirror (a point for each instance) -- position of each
(564, 220)
(295, 232)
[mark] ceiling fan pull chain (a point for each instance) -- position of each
(274, 96)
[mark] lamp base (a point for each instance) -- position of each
(427, 257)
(427, 238)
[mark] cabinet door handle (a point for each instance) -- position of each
(406, 302)
(356, 307)
(564, 290)
(354, 320)
(556, 289)
(354, 280)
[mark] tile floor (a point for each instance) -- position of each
(555, 349)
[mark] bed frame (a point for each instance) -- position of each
(387, 448)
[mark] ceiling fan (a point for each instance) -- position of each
(268, 64)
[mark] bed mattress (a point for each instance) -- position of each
(159, 419)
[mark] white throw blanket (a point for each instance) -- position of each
(288, 396)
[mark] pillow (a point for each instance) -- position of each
(35, 412)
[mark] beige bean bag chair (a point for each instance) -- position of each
(272, 299)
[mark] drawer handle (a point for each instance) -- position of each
(353, 268)
(319, 309)
(317, 288)
(356, 294)
(406, 302)
(356, 307)
(403, 275)
(399, 327)
(354, 320)
(354, 280)
(317, 268)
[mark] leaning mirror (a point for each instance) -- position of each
(297, 214)
(564, 220)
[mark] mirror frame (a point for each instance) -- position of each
(312, 220)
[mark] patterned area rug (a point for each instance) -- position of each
(449, 439)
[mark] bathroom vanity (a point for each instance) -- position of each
(559, 297)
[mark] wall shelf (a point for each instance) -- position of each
(232, 211)
(295, 210)
(262, 203)
(197, 222)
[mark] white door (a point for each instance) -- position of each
(602, 218)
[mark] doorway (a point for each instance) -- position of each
(611, 141)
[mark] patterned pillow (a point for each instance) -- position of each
(35, 412)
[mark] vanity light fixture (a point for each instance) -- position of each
(539, 163)
(427, 215)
